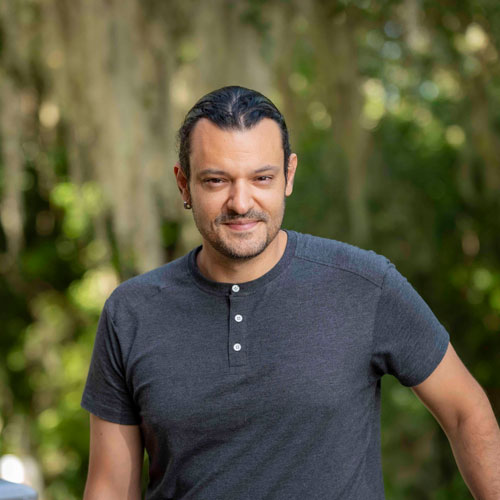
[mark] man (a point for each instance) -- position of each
(250, 368)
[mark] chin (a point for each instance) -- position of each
(242, 246)
(238, 252)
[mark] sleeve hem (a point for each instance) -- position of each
(432, 363)
(107, 414)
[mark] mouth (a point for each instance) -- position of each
(242, 225)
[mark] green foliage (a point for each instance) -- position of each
(432, 207)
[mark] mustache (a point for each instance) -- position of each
(253, 215)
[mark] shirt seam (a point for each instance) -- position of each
(125, 357)
(115, 332)
(335, 266)
(375, 315)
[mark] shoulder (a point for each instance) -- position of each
(144, 287)
(337, 254)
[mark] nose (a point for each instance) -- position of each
(240, 199)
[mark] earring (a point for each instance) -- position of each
(187, 205)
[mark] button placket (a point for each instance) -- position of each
(237, 341)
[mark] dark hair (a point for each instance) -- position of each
(230, 108)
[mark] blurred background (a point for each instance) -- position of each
(393, 108)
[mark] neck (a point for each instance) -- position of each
(222, 269)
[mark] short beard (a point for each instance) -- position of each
(231, 254)
(228, 251)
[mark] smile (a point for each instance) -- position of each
(242, 226)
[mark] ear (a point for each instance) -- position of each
(292, 167)
(182, 182)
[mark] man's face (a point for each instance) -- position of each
(237, 187)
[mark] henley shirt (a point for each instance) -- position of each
(268, 389)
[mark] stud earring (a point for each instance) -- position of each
(187, 205)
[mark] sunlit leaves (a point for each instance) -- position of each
(414, 74)
(79, 205)
(90, 292)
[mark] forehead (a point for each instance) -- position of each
(258, 145)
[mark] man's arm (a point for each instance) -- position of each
(116, 457)
(462, 409)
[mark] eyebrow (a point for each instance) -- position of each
(214, 171)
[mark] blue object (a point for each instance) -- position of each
(14, 491)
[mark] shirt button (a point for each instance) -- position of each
(238, 318)
(235, 288)
(237, 347)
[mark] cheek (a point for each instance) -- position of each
(207, 204)
(273, 201)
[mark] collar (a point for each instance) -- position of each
(248, 287)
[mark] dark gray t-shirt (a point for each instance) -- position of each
(268, 389)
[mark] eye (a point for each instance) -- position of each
(265, 178)
(213, 180)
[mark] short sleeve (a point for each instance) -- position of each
(408, 340)
(106, 393)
